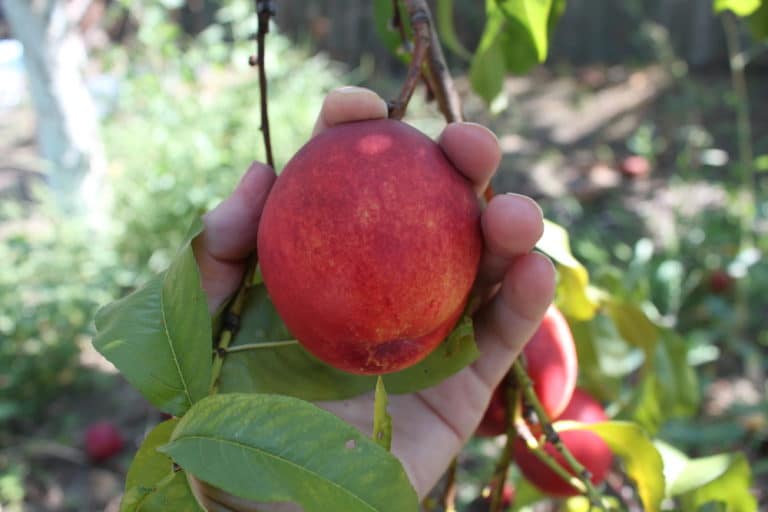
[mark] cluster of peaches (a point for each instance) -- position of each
(552, 365)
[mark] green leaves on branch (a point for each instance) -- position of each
(276, 448)
(159, 337)
(515, 39)
(152, 485)
(266, 370)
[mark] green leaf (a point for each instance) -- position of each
(758, 24)
(159, 336)
(172, 493)
(678, 384)
(275, 448)
(151, 483)
(486, 70)
(447, 30)
(724, 478)
(642, 461)
(573, 292)
(265, 370)
(382, 421)
(526, 37)
(452, 355)
(602, 360)
(739, 7)
(634, 325)
(389, 35)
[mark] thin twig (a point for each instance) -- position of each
(512, 399)
(259, 346)
(582, 474)
(420, 24)
(231, 324)
(448, 497)
(265, 9)
(438, 73)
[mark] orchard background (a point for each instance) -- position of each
(643, 134)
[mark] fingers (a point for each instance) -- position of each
(512, 224)
(348, 104)
(230, 233)
(474, 150)
(507, 322)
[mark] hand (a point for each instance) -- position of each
(430, 426)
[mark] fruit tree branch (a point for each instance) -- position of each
(230, 325)
(582, 474)
(265, 9)
(428, 61)
(420, 23)
(512, 398)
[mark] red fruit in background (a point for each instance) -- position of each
(551, 364)
(635, 166)
(369, 244)
(588, 448)
(102, 441)
(720, 281)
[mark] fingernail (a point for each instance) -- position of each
(352, 89)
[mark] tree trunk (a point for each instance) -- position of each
(67, 119)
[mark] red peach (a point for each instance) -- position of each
(369, 244)
(102, 441)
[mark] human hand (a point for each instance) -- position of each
(431, 426)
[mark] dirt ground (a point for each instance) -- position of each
(560, 136)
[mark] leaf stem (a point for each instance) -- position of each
(258, 346)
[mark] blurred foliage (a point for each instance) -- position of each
(187, 124)
(52, 278)
(184, 127)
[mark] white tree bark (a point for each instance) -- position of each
(67, 119)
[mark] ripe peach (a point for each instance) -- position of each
(369, 244)
(551, 364)
(102, 441)
(588, 448)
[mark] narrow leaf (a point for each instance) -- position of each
(530, 20)
(447, 30)
(273, 448)
(486, 71)
(758, 25)
(382, 421)
(159, 336)
(634, 325)
(151, 483)
(573, 292)
(739, 7)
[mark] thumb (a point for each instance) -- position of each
(229, 234)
